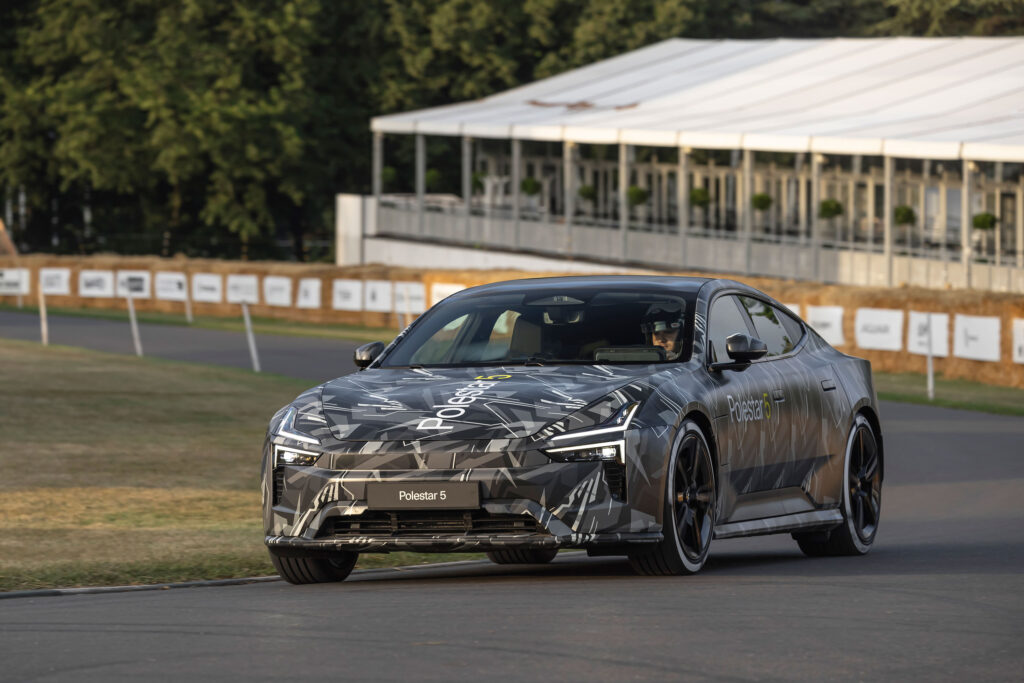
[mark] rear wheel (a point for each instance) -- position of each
(861, 499)
(300, 569)
(689, 511)
(524, 556)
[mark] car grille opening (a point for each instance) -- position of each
(430, 522)
(615, 478)
(278, 484)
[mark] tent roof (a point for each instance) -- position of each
(935, 98)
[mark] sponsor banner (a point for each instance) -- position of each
(410, 297)
(976, 337)
(243, 289)
(347, 295)
(443, 290)
(917, 336)
(828, 322)
(14, 281)
(207, 288)
(793, 307)
(309, 293)
(171, 286)
(879, 328)
(378, 295)
(55, 281)
(135, 282)
(277, 290)
(1018, 340)
(96, 283)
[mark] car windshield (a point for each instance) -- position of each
(543, 327)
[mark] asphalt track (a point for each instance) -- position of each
(940, 597)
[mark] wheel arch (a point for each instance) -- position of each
(876, 426)
(707, 427)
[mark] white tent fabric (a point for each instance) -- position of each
(932, 98)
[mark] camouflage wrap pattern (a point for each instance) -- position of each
(778, 432)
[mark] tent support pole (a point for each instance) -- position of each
(747, 208)
(965, 221)
(683, 201)
(887, 197)
(623, 200)
(421, 181)
(467, 183)
(378, 166)
(1020, 224)
(815, 204)
(517, 162)
(569, 190)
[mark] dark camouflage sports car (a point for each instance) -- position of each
(629, 415)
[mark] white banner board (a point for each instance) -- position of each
(976, 337)
(828, 322)
(96, 283)
(14, 281)
(1018, 340)
(879, 328)
(207, 288)
(171, 286)
(917, 335)
(309, 293)
(410, 297)
(378, 296)
(135, 282)
(243, 289)
(347, 295)
(277, 290)
(55, 281)
(443, 290)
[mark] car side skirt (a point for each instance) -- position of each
(818, 519)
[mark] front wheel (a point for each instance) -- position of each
(528, 556)
(299, 569)
(861, 499)
(689, 511)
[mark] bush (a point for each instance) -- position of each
(530, 186)
(761, 201)
(433, 180)
(830, 208)
(904, 215)
(588, 192)
(636, 195)
(984, 221)
(478, 182)
(700, 197)
(388, 177)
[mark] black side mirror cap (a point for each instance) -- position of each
(366, 354)
(742, 350)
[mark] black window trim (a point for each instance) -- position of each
(750, 323)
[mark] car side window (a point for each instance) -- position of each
(725, 319)
(793, 327)
(768, 326)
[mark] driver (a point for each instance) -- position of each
(662, 326)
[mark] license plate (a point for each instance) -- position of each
(428, 495)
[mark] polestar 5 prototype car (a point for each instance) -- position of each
(625, 415)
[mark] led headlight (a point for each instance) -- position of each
(619, 422)
(293, 456)
(286, 428)
(610, 450)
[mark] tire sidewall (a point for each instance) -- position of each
(688, 427)
(851, 527)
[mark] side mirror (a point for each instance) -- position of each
(367, 353)
(742, 349)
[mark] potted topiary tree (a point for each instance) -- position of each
(588, 194)
(388, 178)
(904, 217)
(986, 222)
(830, 209)
(761, 203)
(531, 187)
(432, 180)
(701, 198)
(636, 196)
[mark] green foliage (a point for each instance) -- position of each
(830, 208)
(478, 181)
(984, 221)
(636, 195)
(904, 215)
(761, 201)
(700, 197)
(530, 186)
(388, 178)
(588, 193)
(433, 179)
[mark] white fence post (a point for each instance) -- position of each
(134, 324)
(44, 324)
(250, 338)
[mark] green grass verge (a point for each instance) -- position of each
(259, 325)
(950, 393)
(121, 470)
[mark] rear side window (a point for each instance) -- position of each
(725, 319)
(770, 328)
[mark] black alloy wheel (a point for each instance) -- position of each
(689, 511)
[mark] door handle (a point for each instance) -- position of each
(778, 395)
(828, 385)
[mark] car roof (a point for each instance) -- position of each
(669, 283)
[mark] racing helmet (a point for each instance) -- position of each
(662, 317)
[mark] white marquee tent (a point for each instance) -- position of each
(934, 98)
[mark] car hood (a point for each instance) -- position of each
(385, 404)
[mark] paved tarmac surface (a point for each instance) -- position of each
(940, 597)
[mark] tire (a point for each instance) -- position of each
(861, 502)
(524, 556)
(690, 502)
(299, 569)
